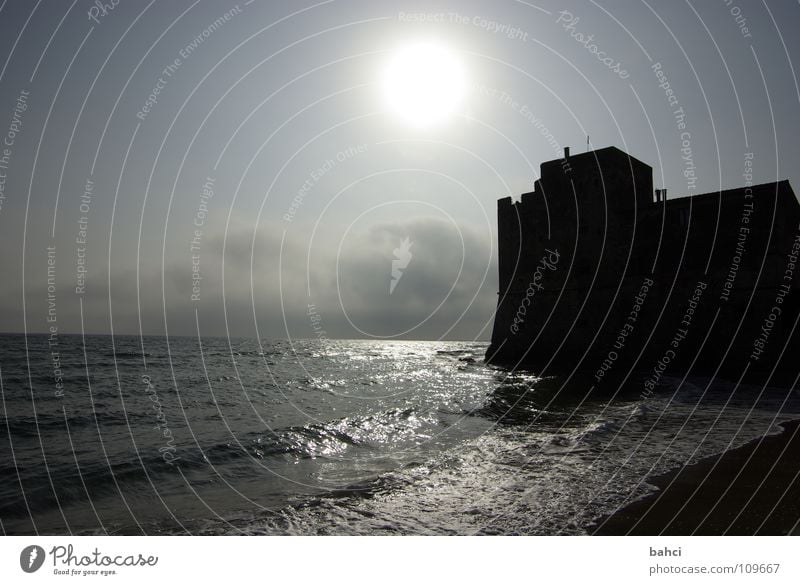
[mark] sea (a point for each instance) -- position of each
(180, 435)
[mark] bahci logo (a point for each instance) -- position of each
(31, 558)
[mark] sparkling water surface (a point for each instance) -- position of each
(162, 436)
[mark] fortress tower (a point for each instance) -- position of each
(600, 273)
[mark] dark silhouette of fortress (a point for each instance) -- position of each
(601, 274)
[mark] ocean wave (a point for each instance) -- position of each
(329, 440)
(48, 423)
(33, 492)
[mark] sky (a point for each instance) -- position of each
(223, 168)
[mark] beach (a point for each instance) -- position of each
(750, 490)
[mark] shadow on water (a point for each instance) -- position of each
(525, 398)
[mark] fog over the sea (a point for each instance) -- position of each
(233, 168)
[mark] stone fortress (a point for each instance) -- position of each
(602, 275)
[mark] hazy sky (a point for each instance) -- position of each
(270, 144)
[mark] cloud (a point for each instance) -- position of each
(450, 273)
(448, 287)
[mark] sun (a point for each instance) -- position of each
(423, 83)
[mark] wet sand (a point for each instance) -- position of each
(751, 490)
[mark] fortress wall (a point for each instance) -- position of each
(578, 311)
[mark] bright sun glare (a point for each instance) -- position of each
(424, 83)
